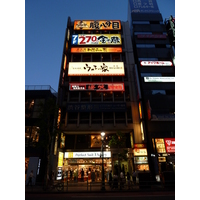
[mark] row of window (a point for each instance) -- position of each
(98, 57)
(97, 96)
(152, 45)
(100, 117)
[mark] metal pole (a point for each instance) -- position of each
(103, 180)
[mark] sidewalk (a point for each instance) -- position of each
(74, 187)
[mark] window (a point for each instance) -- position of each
(115, 57)
(96, 96)
(96, 57)
(145, 45)
(74, 96)
(29, 104)
(86, 57)
(96, 79)
(107, 96)
(74, 79)
(118, 96)
(140, 22)
(120, 118)
(85, 79)
(72, 118)
(84, 118)
(129, 115)
(141, 59)
(31, 135)
(105, 57)
(85, 96)
(76, 58)
(108, 117)
(117, 78)
(107, 79)
(127, 93)
(96, 117)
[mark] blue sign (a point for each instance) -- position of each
(74, 39)
(96, 107)
(144, 6)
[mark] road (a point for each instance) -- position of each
(103, 196)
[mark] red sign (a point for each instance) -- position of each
(99, 87)
(170, 145)
(151, 36)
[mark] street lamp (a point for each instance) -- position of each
(103, 178)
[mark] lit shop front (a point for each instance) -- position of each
(89, 162)
(165, 148)
(140, 157)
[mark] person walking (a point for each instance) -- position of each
(82, 175)
(30, 178)
(121, 180)
(110, 179)
(134, 177)
(128, 180)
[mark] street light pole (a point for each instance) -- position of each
(103, 177)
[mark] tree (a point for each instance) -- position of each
(118, 141)
(47, 114)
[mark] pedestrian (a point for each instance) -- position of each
(110, 178)
(134, 177)
(70, 174)
(82, 175)
(30, 178)
(128, 180)
(52, 178)
(121, 179)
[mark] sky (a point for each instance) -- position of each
(45, 24)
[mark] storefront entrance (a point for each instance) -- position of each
(92, 169)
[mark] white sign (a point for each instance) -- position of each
(159, 79)
(96, 69)
(140, 152)
(106, 154)
(156, 63)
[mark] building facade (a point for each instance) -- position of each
(156, 74)
(97, 93)
(34, 153)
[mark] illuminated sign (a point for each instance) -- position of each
(96, 69)
(142, 167)
(106, 154)
(96, 49)
(170, 145)
(151, 36)
(139, 145)
(156, 63)
(96, 39)
(143, 6)
(97, 86)
(97, 25)
(140, 160)
(60, 159)
(96, 141)
(140, 110)
(160, 145)
(140, 152)
(159, 79)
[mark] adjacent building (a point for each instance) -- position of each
(156, 74)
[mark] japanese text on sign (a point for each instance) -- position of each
(97, 25)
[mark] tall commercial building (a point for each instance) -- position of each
(156, 74)
(97, 94)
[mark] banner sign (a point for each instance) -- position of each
(96, 49)
(97, 25)
(144, 6)
(170, 145)
(156, 63)
(96, 69)
(101, 87)
(140, 160)
(159, 79)
(97, 154)
(140, 152)
(151, 36)
(96, 39)
(96, 107)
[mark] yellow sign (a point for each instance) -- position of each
(97, 25)
(96, 49)
(60, 159)
(140, 152)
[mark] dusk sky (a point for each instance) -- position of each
(45, 24)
